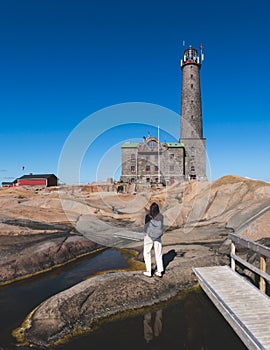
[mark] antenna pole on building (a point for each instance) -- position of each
(158, 157)
(137, 165)
(201, 52)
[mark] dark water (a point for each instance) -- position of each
(191, 322)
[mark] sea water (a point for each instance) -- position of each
(189, 322)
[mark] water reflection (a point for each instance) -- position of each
(191, 323)
(195, 319)
(20, 298)
(152, 330)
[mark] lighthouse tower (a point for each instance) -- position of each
(191, 132)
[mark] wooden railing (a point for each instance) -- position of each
(264, 252)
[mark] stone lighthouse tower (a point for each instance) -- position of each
(191, 133)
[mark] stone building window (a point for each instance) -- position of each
(172, 156)
(171, 167)
(191, 76)
(156, 168)
(147, 168)
(132, 169)
(132, 156)
(191, 86)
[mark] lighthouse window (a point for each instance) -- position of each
(192, 117)
(191, 86)
(191, 76)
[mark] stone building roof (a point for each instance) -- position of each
(173, 144)
(129, 144)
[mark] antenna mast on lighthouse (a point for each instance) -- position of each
(201, 52)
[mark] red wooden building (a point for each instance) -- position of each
(45, 180)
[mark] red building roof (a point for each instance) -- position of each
(36, 176)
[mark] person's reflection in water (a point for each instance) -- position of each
(149, 331)
(194, 321)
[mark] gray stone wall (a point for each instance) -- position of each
(129, 156)
(195, 159)
(191, 107)
(146, 166)
(191, 134)
(172, 164)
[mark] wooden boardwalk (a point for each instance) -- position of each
(245, 307)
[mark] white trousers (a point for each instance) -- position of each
(147, 247)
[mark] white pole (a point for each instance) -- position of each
(158, 157)
(137, 165)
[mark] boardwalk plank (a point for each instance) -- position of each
(243, 305)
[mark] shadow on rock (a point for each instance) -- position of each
(168, 257)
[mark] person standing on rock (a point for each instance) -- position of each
(153, 231)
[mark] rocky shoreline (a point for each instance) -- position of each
(84, 306)
(44, 229)
(25, 256)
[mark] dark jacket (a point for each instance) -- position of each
(154, 226)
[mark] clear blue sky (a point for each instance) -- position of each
(63, 60)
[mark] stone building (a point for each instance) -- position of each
(154, 161)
